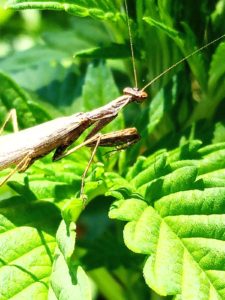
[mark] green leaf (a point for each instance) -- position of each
(169, 31)
(37, 67)
(72, 210)
(62, 182)
(216, 76)
(62, 285)
(157, 110)
(12, 96)
(4, 15)
(31, 58)
(103, 10)
(219, 132)
(112, 51)
(121, 209)
(99, 89)
(27, 247)
(68, 281)
(186, 43)
(181, 232)
(212, 161)
(59, 90)
(80, 36)
(151, 171)
(66, 236)
(179, 180)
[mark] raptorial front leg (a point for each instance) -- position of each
(74, 149)
(60, 151)
(13, 116)
(72, 137)
(121, 139)
(99, 125)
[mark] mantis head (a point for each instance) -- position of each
(136, 94)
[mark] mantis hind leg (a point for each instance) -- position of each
(20, 167)
(27, 160)
(13, 116)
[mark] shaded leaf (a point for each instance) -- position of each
(111, 51)
(216, 75)
(170, 31)
(13, 96)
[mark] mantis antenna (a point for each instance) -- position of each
(131, 45)
(181, 61)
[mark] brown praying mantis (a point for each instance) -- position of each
(36, 142)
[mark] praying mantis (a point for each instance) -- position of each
(36, 142)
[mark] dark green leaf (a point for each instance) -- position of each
(13, 96)
(111, 51)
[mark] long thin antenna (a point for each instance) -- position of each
(182, 60)
(131, 45)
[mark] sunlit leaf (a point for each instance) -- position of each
(67, 280)
(181, 231)
(27, 247)
(103, 10)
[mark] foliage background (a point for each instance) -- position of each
(169, 187)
